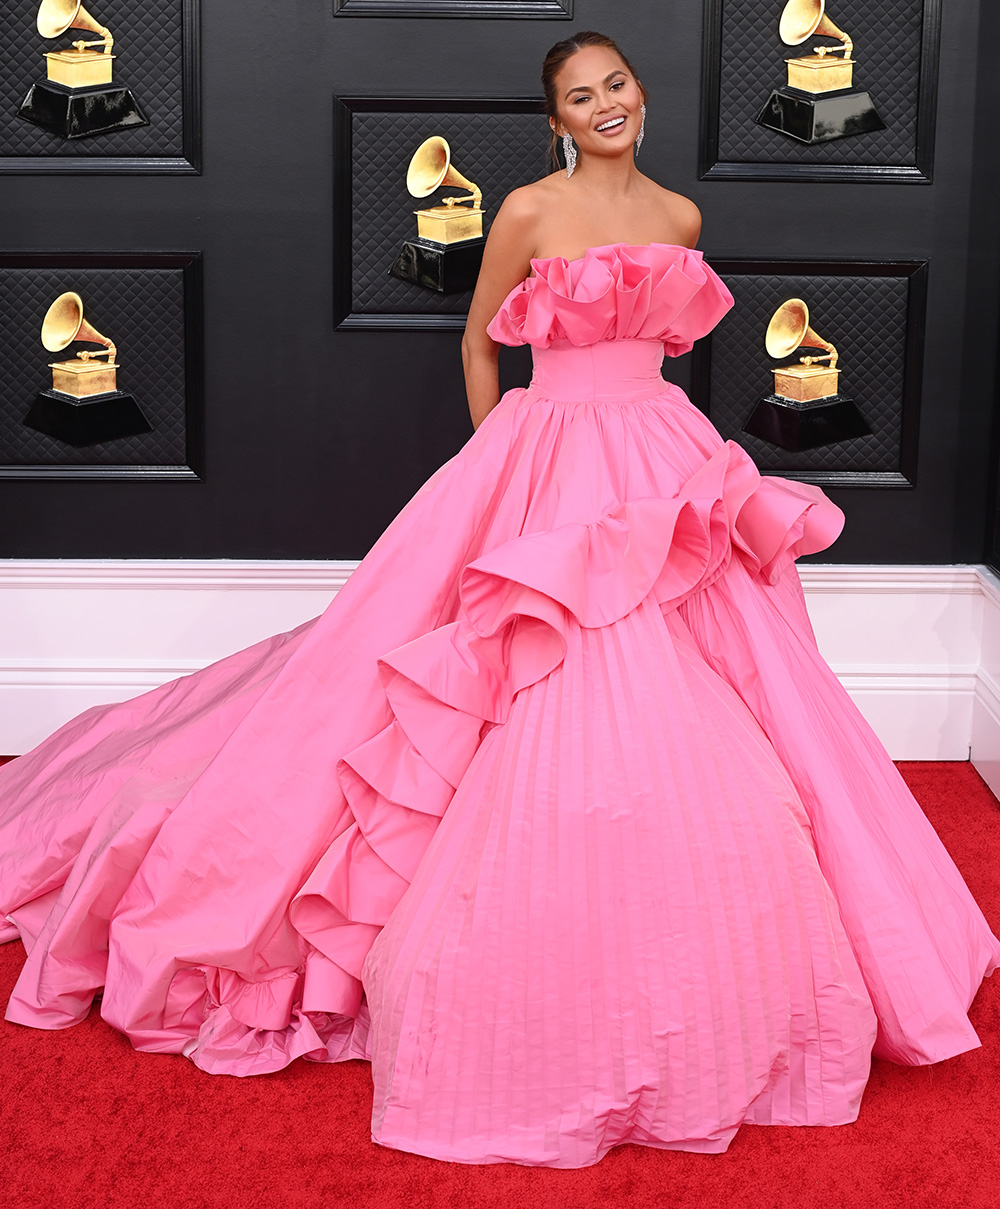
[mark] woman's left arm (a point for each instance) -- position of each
(506, 263)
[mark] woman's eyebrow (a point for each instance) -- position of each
(610, 76)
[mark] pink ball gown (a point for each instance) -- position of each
(556, 814)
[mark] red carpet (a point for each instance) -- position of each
(85, 1121)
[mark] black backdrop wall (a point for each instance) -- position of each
(314, 438)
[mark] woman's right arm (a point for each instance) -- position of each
(506, 263)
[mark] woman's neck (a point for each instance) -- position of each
(607, 178)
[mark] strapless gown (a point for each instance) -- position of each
(556, 815)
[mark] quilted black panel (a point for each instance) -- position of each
(499, 151)
(864, 317)
(887, 49)
(148, 43)
(142, 311)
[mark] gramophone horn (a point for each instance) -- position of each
(64, 323)
(57, 16)
(431, 167)
(800, 19)
(789, 329)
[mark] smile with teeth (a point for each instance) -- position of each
(611, 124)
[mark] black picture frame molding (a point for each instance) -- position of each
(915, 272)
(710, 167)
(344, 108)
(188, 164)
(191, 265)
(539, 10)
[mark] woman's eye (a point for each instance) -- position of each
(579, 99)
(618, 84)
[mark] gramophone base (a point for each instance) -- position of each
(817, 118)
(89, 421)
(444, 268)
(798, 426)
(79, 113)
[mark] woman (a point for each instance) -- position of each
(556, 814)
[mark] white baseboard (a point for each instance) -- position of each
(76, 633)
(985, 739)
(917, 647)
(905, 643)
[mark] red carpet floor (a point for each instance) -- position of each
(85, 1121)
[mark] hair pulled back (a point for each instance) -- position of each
(554, 60)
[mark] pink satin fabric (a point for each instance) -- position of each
(556, 814)
(610, 372)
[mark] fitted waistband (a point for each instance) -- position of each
(610, 371)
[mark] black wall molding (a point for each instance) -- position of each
(751, 49)
(495, 142)
(167, 97)
(550, 10)
(150, 304)
(874, 312)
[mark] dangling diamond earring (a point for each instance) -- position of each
(569, 151)
(642, 129)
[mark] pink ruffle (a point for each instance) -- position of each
(297, 991)
(252, 1028)
(450, 685)
(620, 291)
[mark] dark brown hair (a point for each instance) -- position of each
(554, 60)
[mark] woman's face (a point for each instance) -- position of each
(598, 102)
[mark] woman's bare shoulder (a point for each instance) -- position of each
(529, 200)
(680, 217)
(521, 215)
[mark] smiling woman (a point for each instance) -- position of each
(557, 814)
(596, 104)
(620, 90)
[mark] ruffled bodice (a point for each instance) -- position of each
(620, 291)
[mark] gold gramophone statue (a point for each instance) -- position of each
(818, 102)
(84, 406)
(78, 99)
(806, 409)
(448, 250)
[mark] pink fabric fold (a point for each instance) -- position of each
(615, 292)
(517, 602)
